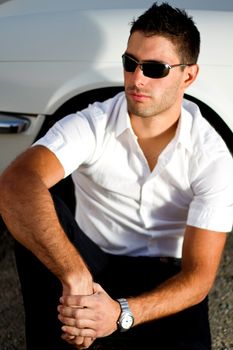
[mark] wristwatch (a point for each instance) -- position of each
(126, 318)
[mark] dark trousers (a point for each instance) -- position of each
(120, 276)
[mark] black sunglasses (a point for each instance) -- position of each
(151, 69)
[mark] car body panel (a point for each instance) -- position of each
(11, 144)
(52, 51)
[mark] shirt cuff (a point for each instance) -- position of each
(211, 218)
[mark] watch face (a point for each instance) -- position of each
(126, 321)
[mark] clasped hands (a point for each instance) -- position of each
(87, 317)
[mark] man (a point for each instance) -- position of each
(153, 184)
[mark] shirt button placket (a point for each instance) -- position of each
(145, 205)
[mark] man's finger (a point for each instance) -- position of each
(77, 313)
(74, 300)
(77, 332)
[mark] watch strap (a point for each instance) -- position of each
(124, 304)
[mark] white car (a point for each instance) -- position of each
(57, 56)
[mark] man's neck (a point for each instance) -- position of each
(153, 127)
(154, 134)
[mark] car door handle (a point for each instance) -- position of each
(13, 125)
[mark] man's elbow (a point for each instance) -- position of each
(203, 288)
(12, 183)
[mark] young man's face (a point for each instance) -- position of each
(148, 97)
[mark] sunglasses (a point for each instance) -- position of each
(151, 69)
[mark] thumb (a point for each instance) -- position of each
(97, 288)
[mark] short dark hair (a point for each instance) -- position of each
(174, 24)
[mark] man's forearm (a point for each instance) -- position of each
(174, 295)
(28, 211)
(189, 287)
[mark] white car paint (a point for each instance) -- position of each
(52, 51)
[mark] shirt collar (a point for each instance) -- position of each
(123, 119)
(183, 134)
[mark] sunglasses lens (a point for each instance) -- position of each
(128, 64)
(150, 69)
(155, 70)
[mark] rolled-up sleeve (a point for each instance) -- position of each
(72, 141)
(212, 204)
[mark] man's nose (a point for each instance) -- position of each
(138, 76)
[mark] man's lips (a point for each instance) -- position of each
(137, 96)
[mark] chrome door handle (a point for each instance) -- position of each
(13, 125)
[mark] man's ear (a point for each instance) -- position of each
(190, 75)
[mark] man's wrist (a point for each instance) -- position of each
(77, 284)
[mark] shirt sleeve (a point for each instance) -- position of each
(72, 141)
(212, 204)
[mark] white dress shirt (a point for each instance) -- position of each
(123, 206)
